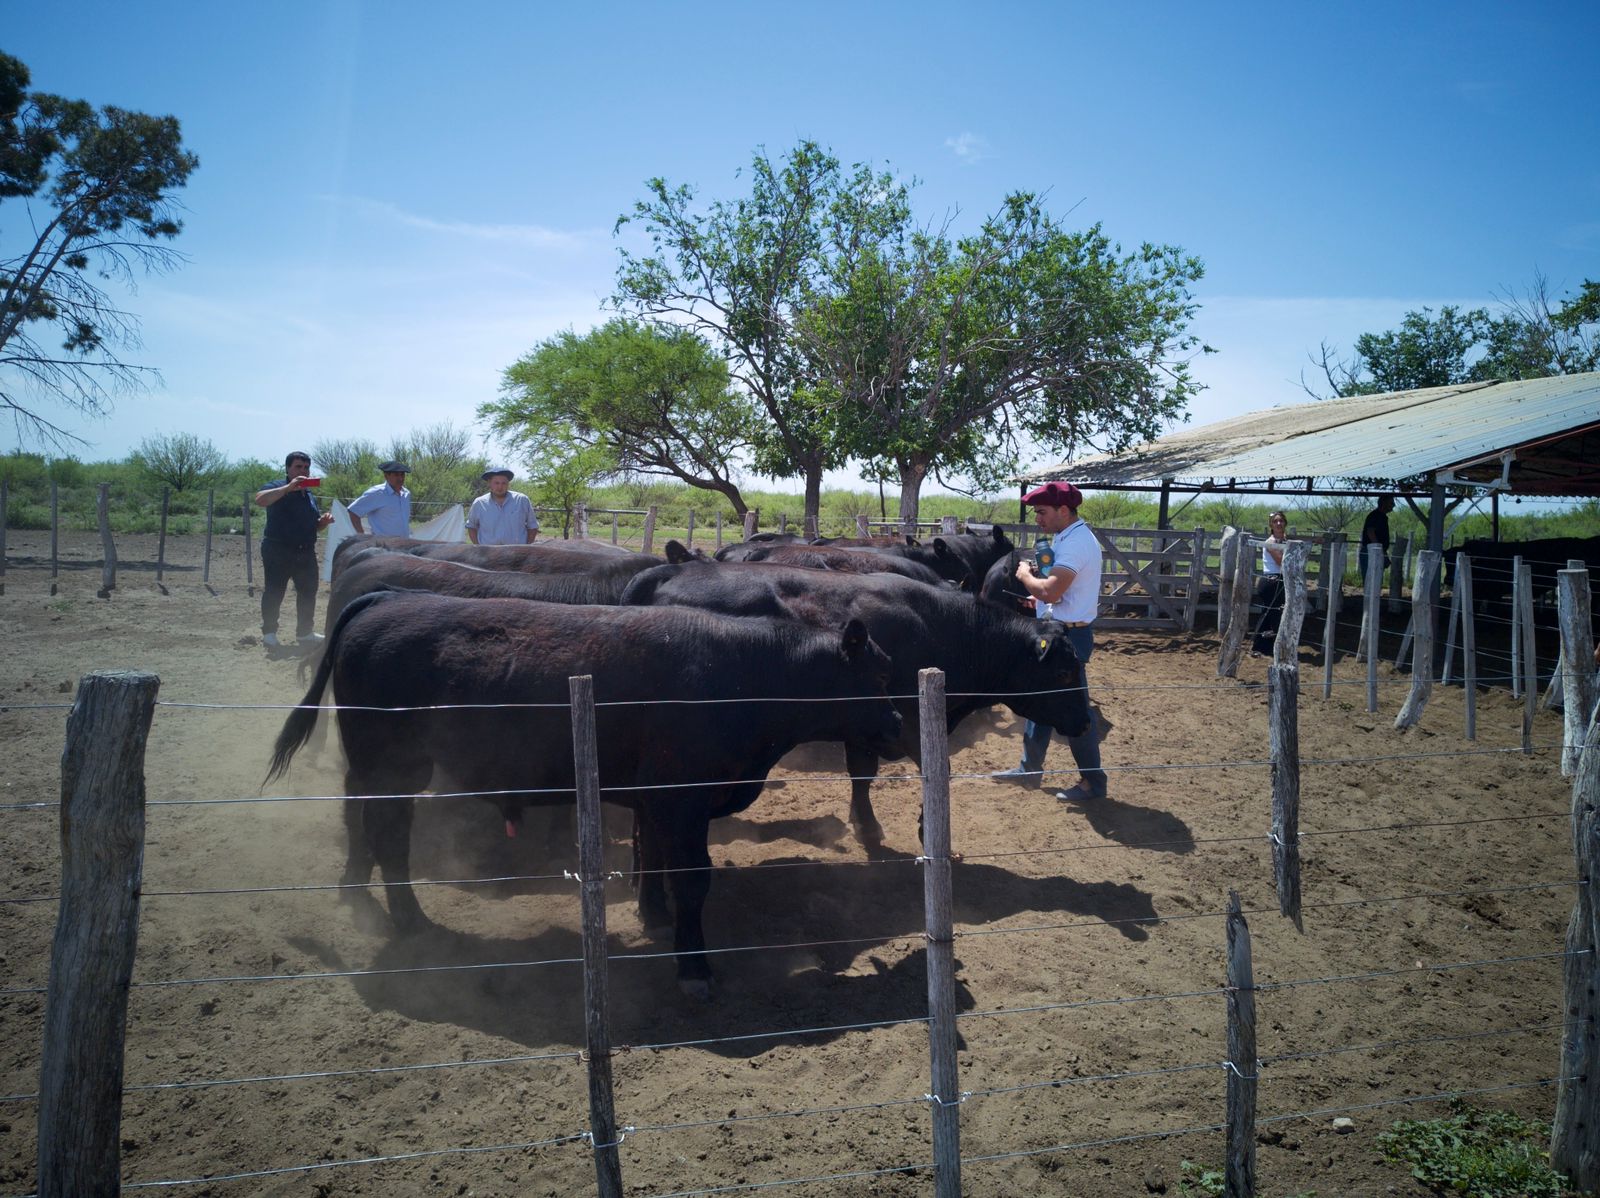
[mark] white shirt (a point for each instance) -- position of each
(1268, 565)
(505, 523)
(387, 511)
(1078, 549)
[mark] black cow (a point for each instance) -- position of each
(542, 557)
(824, 557)
(989, 654)
(1491, 563)
(962, 559)
(677, 765)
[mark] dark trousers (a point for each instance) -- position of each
(1085, 747)
(1269, 594)
(282, 563)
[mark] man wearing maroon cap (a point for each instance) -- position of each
(1064, 587)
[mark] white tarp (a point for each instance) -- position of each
(448, 525)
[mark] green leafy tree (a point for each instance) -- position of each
(634, 400)
(941, 352)
(566, 475)
(734, 273)
(93, 189)
(179, 460)
(1533, 336)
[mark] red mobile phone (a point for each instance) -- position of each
(313, 482)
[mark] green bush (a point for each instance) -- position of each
(1481, 1154)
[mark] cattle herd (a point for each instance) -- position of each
(449, 667)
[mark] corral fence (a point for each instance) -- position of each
(102, 817)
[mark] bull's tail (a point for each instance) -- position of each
(302, 720)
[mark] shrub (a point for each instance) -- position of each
(1485, 1154)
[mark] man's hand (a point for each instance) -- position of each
(325, 519)
(1024, 570)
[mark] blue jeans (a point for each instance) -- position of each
(1085, 748)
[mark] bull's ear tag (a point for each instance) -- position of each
(1044, 647)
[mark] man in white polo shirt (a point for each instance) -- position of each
(503, 516)
(387, 505)
(1065, 587)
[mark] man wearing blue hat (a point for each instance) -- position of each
(1064, 584)
(503, 516)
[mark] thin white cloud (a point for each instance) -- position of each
(531, 236)
(968, 147)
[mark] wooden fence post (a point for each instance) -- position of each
(719, 530)
(1516, 623)
(1237, 598)
(1330, 626)
(749, 525)
(211, 504)
(1575, 1137)
(783, 522)
(1286, 645)
(688, 536)
(1530, 662)
(1227, 555)
(811, 528)
(5, 497)
(1577, 648)
(1197, 575)
(1469, 645)
(161, 540)
(1422, 620)
(947, 526)
(55, 535)
(861, 526)
(1283, 720)
(936, 890)
(649, 528)
(108, 547)
(1240, 1166)
(1554, 694)
(97, 928)
(592, 886)
(1372, 619)
(1451, 624)
(613, 528)
(249, 562)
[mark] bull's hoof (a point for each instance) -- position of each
(658, 931)
(869, 835)
(700, 989)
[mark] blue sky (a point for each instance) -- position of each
(395, 200)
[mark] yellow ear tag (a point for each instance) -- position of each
(1044, 645)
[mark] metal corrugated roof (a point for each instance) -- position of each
(1392, 437)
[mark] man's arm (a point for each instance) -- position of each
(533, 535)
(1050, 589)
(268, 496)
(472, 534)
(355, 521)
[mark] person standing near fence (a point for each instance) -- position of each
(387, 505)
(503, 516)
(1375, 531)
(289, 550)
(1269, 591)
(1065, 589)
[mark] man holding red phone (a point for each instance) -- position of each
(289, 549)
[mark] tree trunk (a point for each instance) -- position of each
(912, 475)
(813, 489)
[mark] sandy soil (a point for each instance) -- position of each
(1090, 942)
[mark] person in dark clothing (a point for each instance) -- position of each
(1269, 591)
(1375, 531)
(289, 550)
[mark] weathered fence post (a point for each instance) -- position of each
(1577, 647)
(783, 522)
(861, 526)
(749, 525)
(1286, 645)
(1554, 694)
(1451, 624)
(211, 504)
(1530, 662)
(161, 540)
(947, 526)
(5, 497)
(688, 536)
(613, 528)
(1227, 554)
(1516, 624)
(1283, 719)
(719, 530)
(97, 928)
(55, 535)
(580, 520)
(1575, 1137)
(1330, 626)
(249, 562)
(1236, 594)
(1469, 645)
(1240, 1167)
(649, 528)
(937, 901)
(592, 886)
(811, 528)
(108, 547)
(1371, 619)
(1197, 575)
(1422, 652)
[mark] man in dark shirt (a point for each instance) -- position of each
(289, 550)
(1376, 530)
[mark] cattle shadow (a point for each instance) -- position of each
(1134, 826)
(797, 946)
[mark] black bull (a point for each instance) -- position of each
(989, 654)
(677, 765)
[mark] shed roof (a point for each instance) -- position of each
(1551, 427)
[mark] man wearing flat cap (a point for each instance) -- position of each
(387, 505)
(503, 516)
(1064, 585)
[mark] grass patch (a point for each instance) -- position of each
(1199, 1182)
(1482, 1154)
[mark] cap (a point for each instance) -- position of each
(494, 470)
(1055, 495)
(394, 468)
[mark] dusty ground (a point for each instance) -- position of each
(1099, 907)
